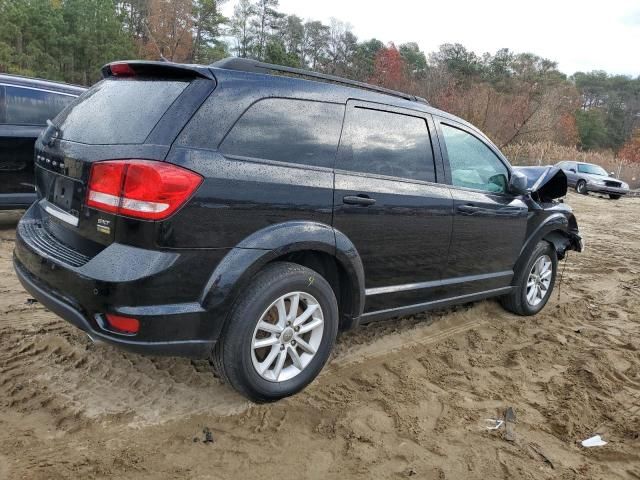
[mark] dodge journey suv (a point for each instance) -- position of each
(248, 212)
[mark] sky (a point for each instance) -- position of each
(579, 35)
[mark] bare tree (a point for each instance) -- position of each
(241, 27)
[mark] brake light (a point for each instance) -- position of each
(121, 70)
(143, 189)
(122, 324)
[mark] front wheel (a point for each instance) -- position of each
(280, 333)
(581, 187)
(534, 282)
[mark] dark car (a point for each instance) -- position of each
(587, 177)
(25, 106)
(246, 212)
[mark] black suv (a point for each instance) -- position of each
(244, 212)
(25, 106)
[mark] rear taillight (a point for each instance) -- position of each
(143, 189)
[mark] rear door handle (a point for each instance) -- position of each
(468, 208)
(361, 199)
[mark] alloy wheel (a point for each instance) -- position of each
(287, 336)
(539, 280)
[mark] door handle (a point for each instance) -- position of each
(361, 199)
(468, 208)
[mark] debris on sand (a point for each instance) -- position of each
(510, 425)
(208, 436)
(494, 423)
(595, 441)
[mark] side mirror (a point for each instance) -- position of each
(518, 183)
(572, 170)
(612, 174)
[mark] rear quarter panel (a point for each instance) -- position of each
(240, 196)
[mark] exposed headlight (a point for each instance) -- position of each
(625, 185)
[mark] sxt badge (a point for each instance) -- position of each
(103, 226)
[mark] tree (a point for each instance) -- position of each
(389, 68)
(241, 27)
(592, 129)
(290, 32)
(340, 49)
(414, 58)
(314, 43)
(277, 53)
(617, 99)
(170, 26)
(267, 18)
(207, 21)
(461, 62)
(631, 149)
(364, 59)
(62, 40)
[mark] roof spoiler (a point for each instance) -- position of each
(255, 66)
(153, 68)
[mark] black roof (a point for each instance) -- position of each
(60, 87)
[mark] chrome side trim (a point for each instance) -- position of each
(59, 214)
(423, 307)
(436, 283)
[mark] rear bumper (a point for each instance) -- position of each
(73, 314)
(159, 288)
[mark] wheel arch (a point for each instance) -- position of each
(555, 229)
(317, 246)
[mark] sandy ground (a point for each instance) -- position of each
(402, 398)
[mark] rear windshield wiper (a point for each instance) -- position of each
(51, 133)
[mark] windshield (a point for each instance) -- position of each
(592, 169)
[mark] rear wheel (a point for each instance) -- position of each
(280, 333)
(534, 282)
(613, 196)
(581, 187)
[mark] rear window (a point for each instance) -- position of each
(119, 111)
(30, 106)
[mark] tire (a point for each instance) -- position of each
(613, 196)
(581, 187)
(518, 301)
(236, 357)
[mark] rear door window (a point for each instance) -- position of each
(387, 143)
(287, 130)
(119, 111)
(30, 106)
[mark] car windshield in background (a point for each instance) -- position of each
(592, 169)
(119, 111)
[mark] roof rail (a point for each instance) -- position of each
(255, 66)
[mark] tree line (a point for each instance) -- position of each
(513, 97)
